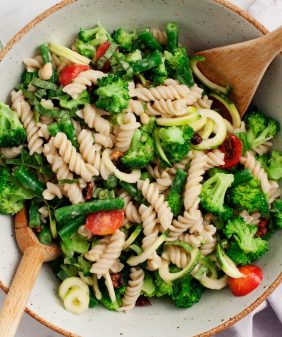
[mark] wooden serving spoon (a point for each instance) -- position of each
(241, 65)
(34, 254)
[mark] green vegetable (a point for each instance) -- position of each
(272, 164)
(148, 288)
(103, 193)
(243, 138)
(37, 82)
(175, 142)
(242, 177)
(159, 73)
(133, 191)
(45, 236)
(69, 54)
(66, 126)
(113, 94)
(150, 42)
(226, 264)
(249, 196)
(124, 40)
(141, 150)
(107, 56)
(148, 62)
(179, 65)
(27, 77)
(74, 244)
(186, 292)
(70, 104)
(45, 53)
(238, 256)
(172, 33)
(213, 195)
(244, 235)
(53, 129)
(12, 132)
(111, 182)
(95, 36)
(175, 196)
(34, 215)
(69, 212)
(29, 181)
(85, 48)
(56, 113)
(260, 128)
(71, 226)
(162, 288)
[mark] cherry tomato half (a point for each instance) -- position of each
(105, 222)
(102, 49)
(232, 149)
(70, 72)
(244, 285)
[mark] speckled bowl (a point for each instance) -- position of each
(203, 24)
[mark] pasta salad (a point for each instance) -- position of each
(119, 149)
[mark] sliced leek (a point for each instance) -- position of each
(69, 283)
(76, 301)
(69, 54)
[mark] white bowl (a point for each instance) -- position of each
(203, 24)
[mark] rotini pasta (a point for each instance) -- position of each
(159, 35)
(152, 194)
(126, 132)
(252, 219)
(131, 211)
(53, 191)
(11, 152)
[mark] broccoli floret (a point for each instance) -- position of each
(142, 149)
(260, 128)
(272, 164)
(277, 213)
(12, 194)
(95, 36)
(186, 292)
(85, 49)
(159, 73)
(175, 142)
(238, 256)
(162, 288)
(124, 40)
(175, 195)
(213, 195)
(179, 65)
(69, 104)
(12, 132)
(249, 196)
(134, 57)
(244, 235)
(113, 94)
(27, 77)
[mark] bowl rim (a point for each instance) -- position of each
(276, 282)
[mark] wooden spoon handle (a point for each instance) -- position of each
(15, 302)
(271, 43)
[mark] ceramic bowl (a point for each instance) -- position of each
(203, 24)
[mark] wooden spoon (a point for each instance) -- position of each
(241, 65)
(34, 254)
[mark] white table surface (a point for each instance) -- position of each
(269, 12)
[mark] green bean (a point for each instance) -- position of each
(148, 39)
(70, 227)
(34, 215)
(147, 63)
(29, 180)
(132, 190)
(172, 33)
(40, 93)
(37, 82)
(45, 236)
(65, 124)
(45, 53)
(174, 198)
(54, 129)
(70, 212)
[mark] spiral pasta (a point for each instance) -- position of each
(214, 158)
(203, 103)
(110, 254)
(53, 191)
(98, 250)
(208, 239)
(82, 81)
(163, 178)
(167, 107)
(46, 72)
(274, 191)
(152, 194)
(176, 255)
(135, 107)
(126, 131)
(133, 289)
(159, 35)
(74, 160)
(131, 211)
(23, 110)
(254, 166)
(11, 152)
(33, 64)
(263, 148)
(171, 90)
(151, 232)
(73, 191)
(93, 118)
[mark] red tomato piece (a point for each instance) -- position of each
(102, 49)
(244, 285)
(105, 222)
(232, 149)
(70, 72)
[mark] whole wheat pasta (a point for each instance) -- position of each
(82, 81)
(258, 172)
(93, 118)
(133, 289)
(96, 252)
(159, 35)
(11, 152)
(33, 64)
(110, 254)
(131, 211)
(208, 238)
(135, 107)
(23, 110)
(46, 72)
(53, 191)
(214, 158)
(176, 255)
(74, 160)
(169, 107)
(126, 131)
(152, 194)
